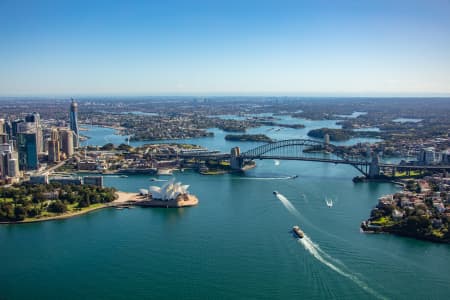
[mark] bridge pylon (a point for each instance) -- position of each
(236, 161)
(374, 168)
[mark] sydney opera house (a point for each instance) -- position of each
(169, 191)
(172, 194)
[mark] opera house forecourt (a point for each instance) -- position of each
(172, 194)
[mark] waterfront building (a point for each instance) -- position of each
(428, 156)
(67, 180)
(28, 151)
(66, 137)
(39, 179)
(169, 191)
(93, 180)
(73, 116)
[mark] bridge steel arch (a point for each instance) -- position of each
(295, 151)
(260, 150)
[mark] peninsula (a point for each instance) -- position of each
(421, 211)
(23, 203)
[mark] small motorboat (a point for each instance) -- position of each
(298, 232)
(275, 193)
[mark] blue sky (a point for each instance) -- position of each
(330, 48)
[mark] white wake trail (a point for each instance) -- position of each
(317, 253)
(321, 255)
(265, 178)
(288, 205)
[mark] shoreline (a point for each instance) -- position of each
(58, 217)
(123, 198)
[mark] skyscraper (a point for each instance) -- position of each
(53, 151)
(53, 146)
(28, 150)
(35, 120)
(67, 142)
(73, 116)
(13, 167)
(2, 126)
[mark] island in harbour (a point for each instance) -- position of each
(249, 138)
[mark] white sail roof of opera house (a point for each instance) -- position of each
(168, 191)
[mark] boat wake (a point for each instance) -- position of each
(324, 258)
(266, 178)
(321, 255)
(288, 205)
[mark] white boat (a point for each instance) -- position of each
(164, 172)
(329, 202)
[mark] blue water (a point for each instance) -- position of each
(101, 135)
(236, 244)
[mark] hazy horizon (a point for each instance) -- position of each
(225, 48)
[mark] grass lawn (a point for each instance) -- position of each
(384, 221)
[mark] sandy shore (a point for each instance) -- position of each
(124, 197)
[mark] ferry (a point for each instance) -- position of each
(275, 193)
(298, 232)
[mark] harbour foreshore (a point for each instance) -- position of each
(123, 199)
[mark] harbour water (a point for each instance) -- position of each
(236, 244)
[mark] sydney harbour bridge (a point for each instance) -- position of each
(308, 150)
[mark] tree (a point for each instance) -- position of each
(20, 213)
(124, 147)
(38, 197)
(107, 147)
(57, 207)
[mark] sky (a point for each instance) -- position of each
(215, 47)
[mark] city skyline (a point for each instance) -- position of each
(297, 48)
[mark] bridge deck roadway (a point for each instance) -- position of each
(325, 160)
